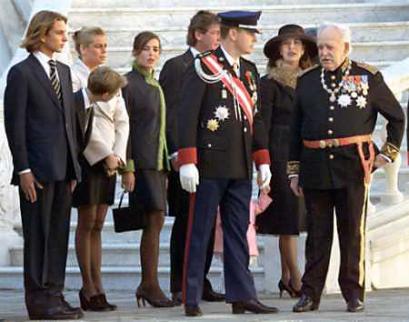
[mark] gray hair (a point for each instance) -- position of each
(343, 29)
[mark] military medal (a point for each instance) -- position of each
(213, 125)
(344, 100)
(221, 113)
(224, 94)
(361, 102)
(333, 92)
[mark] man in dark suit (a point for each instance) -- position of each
(331, 159)
(40, 127)
(203, 34)
(220, 134)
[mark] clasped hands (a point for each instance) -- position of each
(111, 163)
(189, 177)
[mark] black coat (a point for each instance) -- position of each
(40, 130)
(171, 79)
(143, 104)
(227, 151)
(316, 118)
(84, 119)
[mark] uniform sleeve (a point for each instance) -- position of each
(385, 103)
(261, 154)
(268, 93)
(15, 107)
(193, 91)
(293, 166)
(169, 80)
(130, 167)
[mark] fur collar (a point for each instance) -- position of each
(284, 75)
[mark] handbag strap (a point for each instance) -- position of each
(122, 197)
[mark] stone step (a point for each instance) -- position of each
(175, 3)
(119, 254)
(176, 36)
(120, 57)
(118, 277)
(139, 18)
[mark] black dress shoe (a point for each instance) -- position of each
(177, 298)
(193, 311)
(211, 296)
(355, 305)
(305, 304)
(54, 313)
(253, 306)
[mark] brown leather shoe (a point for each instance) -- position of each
(70, 308)
(253, 306)
(193, 311)
(305, 304)
(355, 305)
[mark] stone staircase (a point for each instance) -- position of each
(380, 30)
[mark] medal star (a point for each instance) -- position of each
(364, 86)
(344, 100)
(212, 125)
(361, 102)
(221, 113)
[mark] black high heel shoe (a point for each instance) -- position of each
(284, 287)
(143, 296)
(92, 304)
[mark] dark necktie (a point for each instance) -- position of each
(55, 83)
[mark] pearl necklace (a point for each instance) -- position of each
(333, 92)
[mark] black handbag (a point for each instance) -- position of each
(128, 218)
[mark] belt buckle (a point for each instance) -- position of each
(323, 144)
(335, 143)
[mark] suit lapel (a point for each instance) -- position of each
(44, 80)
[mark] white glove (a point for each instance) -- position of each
(189, 177)
(263, 176)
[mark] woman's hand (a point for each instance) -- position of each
(128, 181)
(112, 162)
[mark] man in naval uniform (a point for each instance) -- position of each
(220, 135)
(203, 34)
(331, 159)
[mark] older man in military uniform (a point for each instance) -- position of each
(332, 156)
(220, 134)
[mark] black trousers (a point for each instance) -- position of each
(178, 200)
(350, 204)
(46, 225)
(232, 196)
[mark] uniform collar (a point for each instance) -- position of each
(229, 58)
(194, 51)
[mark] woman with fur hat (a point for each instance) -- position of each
(289, 53)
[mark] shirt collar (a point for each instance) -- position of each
(229, 58)
(43, 59)
(194, 51)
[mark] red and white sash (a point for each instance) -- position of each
(234, 85)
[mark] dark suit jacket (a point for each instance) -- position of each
(84, 119)
(225, 152)
(40, 130)
(171, 79)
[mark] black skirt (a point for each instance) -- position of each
(286, 213)
(150, 191)
(95, 187)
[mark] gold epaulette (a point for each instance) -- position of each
(390, 150)
(293, 167)
(370, 68)
(204, 54)
(305, 71)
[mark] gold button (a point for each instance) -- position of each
(331, 156)
(245, 130)
(331, 119)
(330, 132)
(245, 117)
(331, 108)
(333, 85)
(209, 145)
(333, 77)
